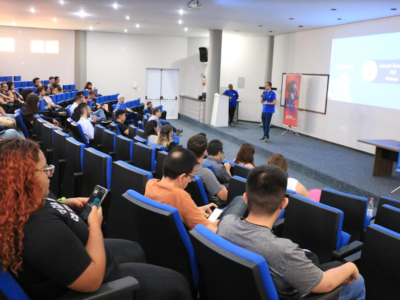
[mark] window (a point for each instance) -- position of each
(50, 47)
(37, 46)
(7, 45)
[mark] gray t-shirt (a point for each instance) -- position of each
(154, 118)
(222, 175)
(292, 272)
(210, 182)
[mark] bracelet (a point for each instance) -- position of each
(61, 199)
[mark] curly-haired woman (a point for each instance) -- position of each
(51, 251)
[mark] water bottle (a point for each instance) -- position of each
(370, 210)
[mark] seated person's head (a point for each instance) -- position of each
(92, 94)
(4, 87)
(41, 91)
(26, 93)
(32, 104)
(149, 104)
(157, 112)
(81, 111)
(278, 160)
(78, 98)
(54, 85)
(121, 98)
(179, 166)
(266, 191)
(29, 177)
(215, 149)
(10, 85)
(88, 86)
(120, 114)
(151, 128)
(36, 82)
(245, 154)
(81, 94)
(51, 79)
(198, 145)
(57, 79)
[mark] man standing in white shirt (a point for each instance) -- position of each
(84, 121)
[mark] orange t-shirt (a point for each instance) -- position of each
(178, 198)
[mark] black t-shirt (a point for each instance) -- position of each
(170, 146)
(122, 128)
(54, 253)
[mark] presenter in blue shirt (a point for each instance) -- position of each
(268, 100)
(233, 97)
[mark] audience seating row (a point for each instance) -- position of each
(10, 78)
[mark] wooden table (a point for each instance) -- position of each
(386, 153)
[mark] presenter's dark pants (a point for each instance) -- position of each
(232, 110)
(154, 282)
(266, 121)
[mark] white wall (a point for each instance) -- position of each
(194, 68)
(29, 65)
(344, 123)
(248, 57)
(116, 61)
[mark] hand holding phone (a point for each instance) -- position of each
(96, 198)
(215, 214)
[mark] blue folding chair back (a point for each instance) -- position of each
(354, 209)
(73, 164)
(109, 140)
(209, 166)
(144, 157)
(163, 236)
(120, 223)
(380, 263)
(132, 131)
(389, 217)
(237, 187)
(10, 288)
(124, 149)
(21, 125)
(242, 171)
(161, 156)
(314, 226)
(59, 140)
(197, 192)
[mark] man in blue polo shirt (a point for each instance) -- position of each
(233, 97)
(268, 100)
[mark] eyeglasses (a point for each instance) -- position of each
(49, 170)
(192, 178)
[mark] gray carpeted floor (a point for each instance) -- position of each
(315, 163)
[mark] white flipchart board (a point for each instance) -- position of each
(220, 113)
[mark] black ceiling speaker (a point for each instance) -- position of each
(203, 54)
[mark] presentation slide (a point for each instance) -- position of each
(366, 70)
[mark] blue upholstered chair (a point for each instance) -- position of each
(354, 209)
(163, 236)
(144, 157)
(197, 192)
(124, 149)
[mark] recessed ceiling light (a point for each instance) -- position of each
(127, 17)
(61, 2)
(301, 26)
(91, 27)
(186, 29)
(333, 8)
(82, 14)
(13, 23)
(270, 31)
(181, 11)
(259, 25)
(180, 22)
(291, 18)
(137, 25)
(126, 30)
(115, 6)
(339, 19)
(32, 10)
(393, 9)
(54, 20)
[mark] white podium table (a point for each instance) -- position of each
(220, 113)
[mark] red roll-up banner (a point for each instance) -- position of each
(292, 94)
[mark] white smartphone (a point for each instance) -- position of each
(215, 214)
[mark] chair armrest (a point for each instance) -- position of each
(354, 258)
(333, 295)
(122, 289)
(278, 227)
(373, 216)
(347, 250)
